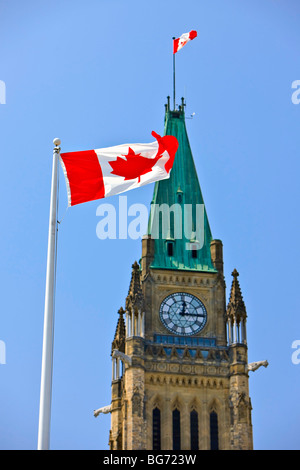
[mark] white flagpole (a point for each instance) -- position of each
(47, 357)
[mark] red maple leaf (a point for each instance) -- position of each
(135, 165)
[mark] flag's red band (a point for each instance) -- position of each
(193, 34)
(84, 175)
(168, 143)
(175, 45)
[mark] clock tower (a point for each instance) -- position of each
(179, 354)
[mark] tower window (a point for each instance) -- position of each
(179, 195)
(170, 248)
(194, 430)
(214, 432)
(194, 251)
(176, 430)
(156, 429)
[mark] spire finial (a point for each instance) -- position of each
(168, 103)
(235, 274)
(135, 266)
(121, 311)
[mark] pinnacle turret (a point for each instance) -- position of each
(236, 306)
(135, 299)
(119, 338)
(236, 312)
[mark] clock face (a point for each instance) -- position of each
(183, 314)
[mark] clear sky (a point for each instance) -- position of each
(97, 73)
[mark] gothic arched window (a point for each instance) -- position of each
(194, 430)
(156, 445)
(214, 431)
(176, 429)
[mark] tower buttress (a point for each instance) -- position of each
(216, 250)
(134, 379)
(240, 403)
(118, 344)
(147, 254)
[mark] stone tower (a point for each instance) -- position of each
(179, 355)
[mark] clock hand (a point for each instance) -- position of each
(183, 308)
(192, 314)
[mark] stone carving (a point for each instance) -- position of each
(256, 365)
(105, 410)
(122, 356)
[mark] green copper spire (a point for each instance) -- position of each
(183, 242)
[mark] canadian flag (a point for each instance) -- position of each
(184, 38)
(95, 174)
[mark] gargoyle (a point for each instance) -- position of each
(122, 356)
(105, 410)
(256, 365)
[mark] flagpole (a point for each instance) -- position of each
(47, 355)
(174, 100)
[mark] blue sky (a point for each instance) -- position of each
(96, 74)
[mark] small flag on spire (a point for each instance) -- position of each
(184, 38)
